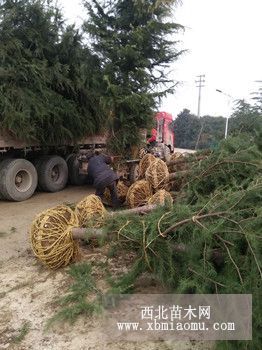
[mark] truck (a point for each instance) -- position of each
(165, 132)
(165, 137)
(28, 166)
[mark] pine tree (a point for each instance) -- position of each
(133, 39)
(209, 240)
(246, 118)
(46, 88)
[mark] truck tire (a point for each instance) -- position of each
(74, 177)
(134, 172)
(18, 179)
(52, 173)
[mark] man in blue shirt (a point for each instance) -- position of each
(103, 176)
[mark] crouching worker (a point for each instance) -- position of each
(103, 176)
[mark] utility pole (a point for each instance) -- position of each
(200, 84)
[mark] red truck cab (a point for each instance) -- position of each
(165, 132)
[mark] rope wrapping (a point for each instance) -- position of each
(145, 163)
(122, 190)
(157, 174)
(51, 237)
(161, 197)
(138, 193)
(90, 212)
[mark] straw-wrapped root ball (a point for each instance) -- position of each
(157, 174)
(145, 163)
(90, 211)
(176, 156)
(161, 197)
(51, 236)
(139, 193)
(181, 162)
(122, 190)
(142, 152)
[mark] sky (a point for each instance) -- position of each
(223, 41)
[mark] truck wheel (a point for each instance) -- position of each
(18, 179)
(52, 173)
(134, 172)
(73, 171)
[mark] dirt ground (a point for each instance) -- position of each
(28, 290)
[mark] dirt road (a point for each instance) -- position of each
(16, 218)
(28, 290)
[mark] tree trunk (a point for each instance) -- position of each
(177, 175)
(85, 233)
(185, 160)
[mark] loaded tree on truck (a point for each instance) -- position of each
(57, 95)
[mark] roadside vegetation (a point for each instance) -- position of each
(56, 86)
(208, 241)
(246, 119)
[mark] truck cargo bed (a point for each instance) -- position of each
(8, 141)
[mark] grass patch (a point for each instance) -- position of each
(102, 264)
(75, 302)
(22, 332)
(13, 229)
(113, 251)
(2, 234)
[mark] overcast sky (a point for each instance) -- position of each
(223, 39)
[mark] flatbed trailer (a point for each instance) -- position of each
(26, 166)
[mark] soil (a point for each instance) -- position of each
(28, 290)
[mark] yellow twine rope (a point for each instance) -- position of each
(161, 197)
(157, 174)
(122, 190)
(91, 211)
(176, 155)
(138, 193)
(51, 237)
(144, 164)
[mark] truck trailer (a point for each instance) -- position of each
(27, 166)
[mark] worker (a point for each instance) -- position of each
(103, 176)
(152, 140)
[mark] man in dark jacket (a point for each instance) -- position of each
(103, 176)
